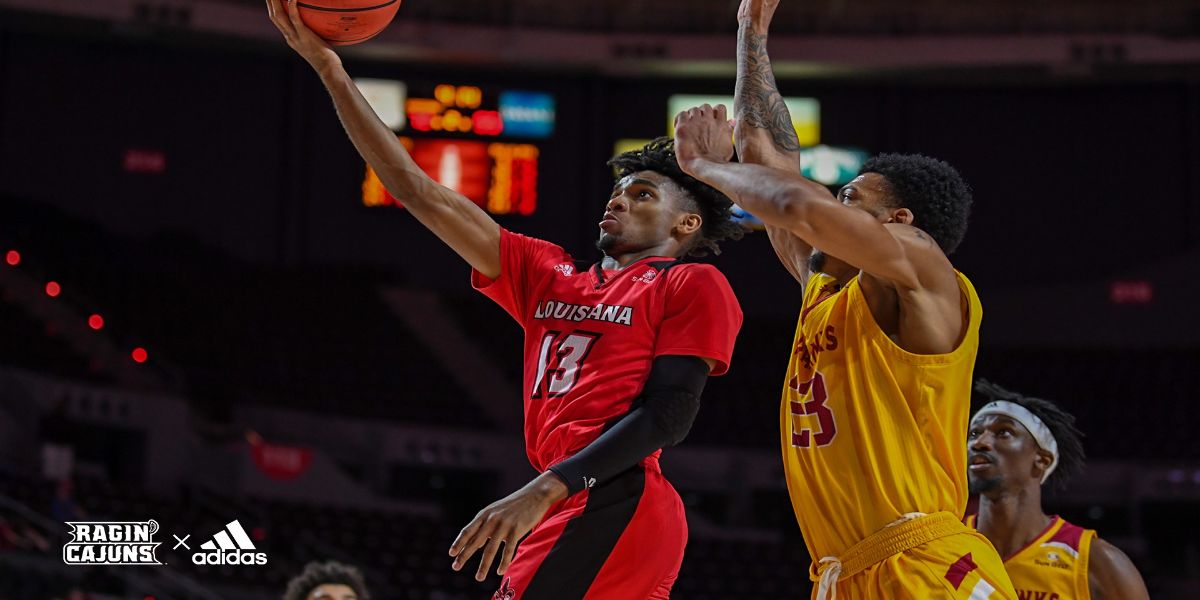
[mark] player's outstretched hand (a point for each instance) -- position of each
(505, 522)
(760, 13)
(703, 133)
(286, 17)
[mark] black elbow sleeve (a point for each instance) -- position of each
(661, 416)
(672, 394)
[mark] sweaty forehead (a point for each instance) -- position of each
(652, 177)
(873, 182)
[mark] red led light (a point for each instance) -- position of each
(13, 258)
(139, 355)
(420, 121)
(96, 322)
(53, 289)
(487, 122)
(1138, 291)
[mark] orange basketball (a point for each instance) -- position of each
(345, 22)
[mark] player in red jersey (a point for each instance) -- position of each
(616, 357)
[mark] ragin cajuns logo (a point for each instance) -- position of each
(567, 269)
(111, 543)
(647, 277)
(506, 591)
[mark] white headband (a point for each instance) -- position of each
(1041, 434)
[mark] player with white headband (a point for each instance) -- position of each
(1015, 445)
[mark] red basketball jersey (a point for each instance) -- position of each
(591, 336)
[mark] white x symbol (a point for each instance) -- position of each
(181, 542)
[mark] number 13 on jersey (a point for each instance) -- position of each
(560, 360)
(826, 427)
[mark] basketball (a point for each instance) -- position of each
(346, 22)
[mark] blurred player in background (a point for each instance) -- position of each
(875, 405)
(616, 357)
(327, 581)
(1015, 445)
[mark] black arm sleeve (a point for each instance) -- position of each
(661, 417)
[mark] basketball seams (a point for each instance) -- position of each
(332, 9)
(347, 22)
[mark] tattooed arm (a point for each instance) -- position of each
(763, 132)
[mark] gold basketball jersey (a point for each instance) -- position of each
(1054, 566)
(870, 431)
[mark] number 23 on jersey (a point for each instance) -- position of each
(820, 428)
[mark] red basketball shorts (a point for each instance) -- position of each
(620, 540)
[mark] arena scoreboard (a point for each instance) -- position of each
(480, 142)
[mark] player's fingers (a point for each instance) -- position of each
(293, 13)
(273, 12)
(279, 18)
(489, 556)
(510, 549)
(722, 113)
(467, 532)
(473, 544)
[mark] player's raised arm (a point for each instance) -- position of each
(764, 133)
(896, 252)
(452, 217)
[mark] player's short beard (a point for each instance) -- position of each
(984, 486)
(606, 243)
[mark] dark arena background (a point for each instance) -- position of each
(211, 312)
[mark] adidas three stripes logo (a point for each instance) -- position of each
(230, 546)
(222, 541)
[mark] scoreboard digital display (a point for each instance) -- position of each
(500, 177)
(453, 133)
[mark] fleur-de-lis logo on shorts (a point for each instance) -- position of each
(506, 591)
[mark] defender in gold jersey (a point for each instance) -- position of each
(1017, 444)
(875, 402)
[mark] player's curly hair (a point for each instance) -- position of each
(1061, 424)
(932, 189)
(316, 574)
(712, 206)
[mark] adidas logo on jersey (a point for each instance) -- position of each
(230, 546)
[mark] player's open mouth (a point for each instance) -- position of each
(979, 462)
(608, 221)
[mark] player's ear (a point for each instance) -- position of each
(688, 223)
(1042, 461)
(902, 215)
